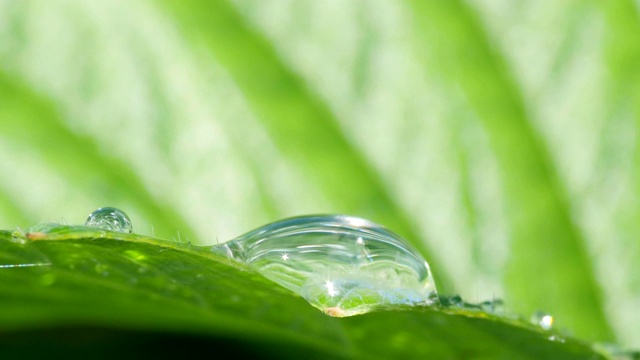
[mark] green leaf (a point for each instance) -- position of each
(71, 280)
(78, 157)
(282, 101)
(499, 138)
(541, 221)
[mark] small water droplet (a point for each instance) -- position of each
(454, 300)
(617, 352)
(494, 306)
(542, 319)
(109, 218)
(556, 338)
(342, 265)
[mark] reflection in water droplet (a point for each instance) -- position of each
(109, 218)
(342, 265)
(542, 319)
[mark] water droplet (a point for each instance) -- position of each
(542, 319)
(109, 218)
(454, 300)
(556, 338)
(342, 265)
(494, 306)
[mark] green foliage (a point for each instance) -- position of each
(117, 283)
(500, 138)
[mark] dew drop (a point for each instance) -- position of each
(494, 306)
(556, 338)
(542, 319)
(340, 264)
(109, 218)
(454, 300)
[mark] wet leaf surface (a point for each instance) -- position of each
(108, 294)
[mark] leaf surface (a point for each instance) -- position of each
(78, 280)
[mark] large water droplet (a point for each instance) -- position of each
(109, 218)
(342, 265)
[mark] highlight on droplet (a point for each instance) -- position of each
(542, 319)
(340, 264)
(110, 218)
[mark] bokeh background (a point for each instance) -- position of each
(500, 137)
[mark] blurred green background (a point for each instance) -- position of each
(500, 137)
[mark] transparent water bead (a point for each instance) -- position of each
(340, 264)
(542, 319)
(109, 218)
